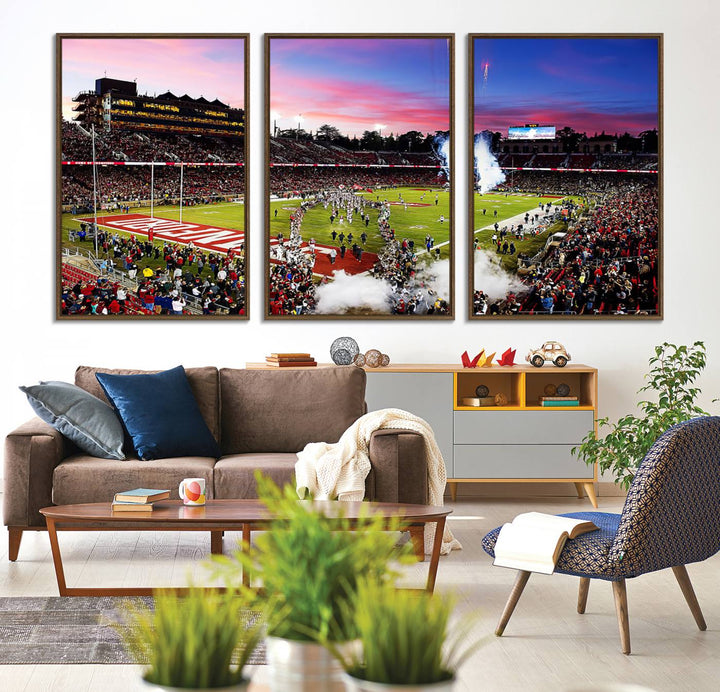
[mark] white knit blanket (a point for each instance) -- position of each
(329, 471)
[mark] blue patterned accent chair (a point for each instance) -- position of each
(671, 518)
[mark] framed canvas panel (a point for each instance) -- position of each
(152, 178)
(359, 220)
(565, 176)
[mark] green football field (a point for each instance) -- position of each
(411, 223)
(507, 207)
(230, 215)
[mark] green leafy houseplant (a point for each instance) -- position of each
(310, 564)
(673, 372)
(405, 638)
(195, 641)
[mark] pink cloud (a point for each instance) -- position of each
(355, 104)
(213, 68)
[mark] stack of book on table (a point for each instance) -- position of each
(559, 401)
(290, 360)
(138, 500)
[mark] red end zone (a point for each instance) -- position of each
(205, 237)
(348, 263)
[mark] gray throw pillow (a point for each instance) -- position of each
(83, 418)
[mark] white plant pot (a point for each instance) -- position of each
(239, 687)
(295, 666)
(357, 685)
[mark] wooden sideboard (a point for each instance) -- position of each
(518, 442)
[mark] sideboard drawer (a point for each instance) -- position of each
(519, 461)
(522, 427)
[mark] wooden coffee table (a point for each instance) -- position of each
(218, 516)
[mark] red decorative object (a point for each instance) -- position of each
(508, 358)
(467, 363)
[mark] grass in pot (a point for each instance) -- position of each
(310, 565)
(194, 641)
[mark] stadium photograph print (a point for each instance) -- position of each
(359, 220)
(152, 176)
(565, 176)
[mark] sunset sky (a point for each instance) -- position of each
(589, 84)
(358, 84)
(209, 67)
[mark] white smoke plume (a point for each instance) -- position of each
(353, 292)
(490, 278)
(487, 169)
(441, 145)
(435, 277)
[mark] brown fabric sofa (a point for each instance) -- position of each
(260, 418)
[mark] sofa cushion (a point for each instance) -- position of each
(160, 413)
(203, 382)
(235, 475)
(281, 411)
(81, 478)
(83, 418)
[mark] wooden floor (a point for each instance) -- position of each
(547, 646)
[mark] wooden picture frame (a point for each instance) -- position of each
(341, 85)
(157, 163)
(533, 101)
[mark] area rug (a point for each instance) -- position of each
(70, 630)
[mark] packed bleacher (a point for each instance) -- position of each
(290, 181)
(288, 150)
(174, 277)
(117, 184)
(126, 145)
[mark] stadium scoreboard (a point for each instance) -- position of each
(532, 132)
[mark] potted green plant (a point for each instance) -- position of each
(405, 643)
(673, 372)
(198, 641)
(310, 565)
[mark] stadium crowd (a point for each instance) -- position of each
(291, 287)
(183, 274)
(607, 263)
(126, 145)
(119, 184)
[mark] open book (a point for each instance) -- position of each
(533, 541)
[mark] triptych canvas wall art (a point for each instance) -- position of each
(564, 177)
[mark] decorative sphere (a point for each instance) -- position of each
(481, 391)
(550, 390)
(342, 357)
(385, 360)
(500, 399)
(349, 349)
(359, 360)
(373, 358)
(563, 389)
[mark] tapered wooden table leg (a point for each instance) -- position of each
(517, 589)
(583, 594)
(57, 558)
(580, 490)
(683, 579)
(246, 547)
(621, 608)
(590, 490)
(417, 536)
(216, 542)
(453, 491)
(435, 556)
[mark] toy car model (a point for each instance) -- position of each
(551, 350)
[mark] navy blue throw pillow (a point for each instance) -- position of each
(160, 414)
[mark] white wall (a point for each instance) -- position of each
(37, 347)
